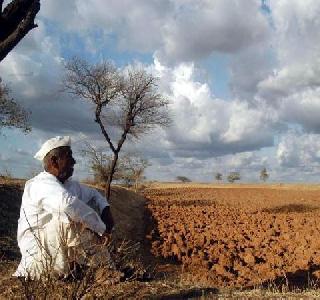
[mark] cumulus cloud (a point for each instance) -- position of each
(302, 108)
(293, 85)
(138, 30)
(203, 27)
(272, 60)
(34, 75)
(175, 30)
(299, 150)
(206, 126)
(249, 68)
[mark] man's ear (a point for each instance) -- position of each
(54, 161)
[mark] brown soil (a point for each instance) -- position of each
(131, 219)
(203, 235)
(239, 236)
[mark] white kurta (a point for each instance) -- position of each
(47, 201)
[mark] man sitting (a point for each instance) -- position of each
(56, 219)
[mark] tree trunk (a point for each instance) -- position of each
(115, 158)
(136, 184)
(110, 177)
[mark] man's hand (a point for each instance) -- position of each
(107, 219)
(105, 239)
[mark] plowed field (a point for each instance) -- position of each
(239, 235)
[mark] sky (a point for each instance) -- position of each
(242, 78)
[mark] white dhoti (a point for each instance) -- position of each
(60, 243)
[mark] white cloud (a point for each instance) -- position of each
(299, 150)
(273, 61)
(136, 25)
(296, 42)
(206, 126)
(176, 30)
(297, 29)
(290, 79)
(302, 108)
(248, 68)
(203, 27)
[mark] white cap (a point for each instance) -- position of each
(58, 141)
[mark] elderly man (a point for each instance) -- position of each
(56, 218)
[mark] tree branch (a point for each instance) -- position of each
(17, 20)
(103, 130)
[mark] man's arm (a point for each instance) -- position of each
(88, 194)
(78, 211)
(57, 200)
(106, 216)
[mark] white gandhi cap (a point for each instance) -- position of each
(58, 141)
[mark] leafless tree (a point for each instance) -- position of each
(129, 169)
(133, 167)
(126, 100)
(11, 113)
(183, 179)
(100, 163)
(233, 176)
(218, 176)
(16, 20)
(264, 175)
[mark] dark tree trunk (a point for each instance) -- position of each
(16, 20)
(115, 157)
(110, 177)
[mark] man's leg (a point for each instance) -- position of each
(55, 242)
(64, 243)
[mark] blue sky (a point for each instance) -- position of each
(242, 78)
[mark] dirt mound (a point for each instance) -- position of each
(129, 212)
(10, 201)
(229, 244)
(128, 209)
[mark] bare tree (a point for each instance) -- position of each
(129, 169)
(133, 167)
(16, 20)
(233, 176)
(126, 100)
(100, 165)
(264, 174)
(183, 179)
(11, 113)
(218, 176)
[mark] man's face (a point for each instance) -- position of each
(65, 164)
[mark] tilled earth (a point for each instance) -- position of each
(239, 236)
(204, 237)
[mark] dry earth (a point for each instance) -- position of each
(241, 235)
(131, 222)
(198, 239)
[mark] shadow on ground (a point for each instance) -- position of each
(10, 201)
(188, 294)
(291, 208)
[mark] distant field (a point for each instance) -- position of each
(164, 185)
